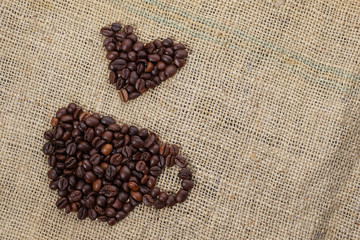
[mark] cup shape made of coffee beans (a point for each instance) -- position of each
(103, 170)
(136, 67)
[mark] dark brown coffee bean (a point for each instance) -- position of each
(163, 196)
(151, 182)
(103, 218)
(170, 161)
(134, 95)
(132, 37)
(67, 118)
(48, 135)
(52, 174)
(164, 149)
(48, 148)
(116, 159)
(91, 121)
(82, 213)
(89, 135)
(140, 85)
(125, 173)
(185, 174)
(187, 185)
(75, 196)
(106, 31)
(133, 186)
(159, 204)
(120, 215)
(166, 59)
(126, 152)
(63, 183)
(116, 27)
(138, 46)
(72, 180)
(181, 196)
(68, 209)
(155, 192)
(110, 173)
(136, 195)
(154, 57)
(180, 161)
(174, 150)
(168, 42)
(71, 108)
(171, 201)
(170, 71)
(140, 166)
(70, 163)
(162, 76)
(110, 212)
(83, 146)
(178, 46)
(90, 177)
(62, 193)
(155, 171)
(126, 45)
(149, 141)
(109, 190)
(92, 214)
(181, 53)
(123, 196)
(87, 165)
(61, 112)
(62, 203)
(148, 200)
(110, 47)
(127, 208)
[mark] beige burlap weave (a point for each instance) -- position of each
(266, 111)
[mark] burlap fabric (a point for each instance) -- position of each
(266, 111)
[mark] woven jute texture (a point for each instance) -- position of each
(266, 111)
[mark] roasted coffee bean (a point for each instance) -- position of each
(187, 185)
(180, 161)
(75, 196)
(159, 204)
(181, 196)
(54, 121)
(62, 203)
(163, 196)
(82, 213)
(48, 148)
(124, 50)
(185, 174)
(107, 149)
(151, 182)
(63, 183)
(171, 201)
(103, 170)
(90, 177)
(127, 208)
(155, 171)
(109, 190)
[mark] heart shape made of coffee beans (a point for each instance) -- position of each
(136, 67)
(102, 170)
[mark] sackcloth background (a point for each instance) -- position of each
(266, 111)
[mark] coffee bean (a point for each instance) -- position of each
(127, 208)
(185, 174)
(103, 170)
(124, 95)
(162, 196)
(133, 186)
(90, 177)
(75, 196)
(107, 149)
(63, 183)
(180, 161)
(170, 70)
(54, 121)
(61, 112)
(187, 185)
(168, 42)
(48, 148)
(106, 31)
(148, 200)
(171, 201)
(116, 27)
(181, 196)
(62, 203)
(136, 195)
(159, 204)
(52, 174)
(151, 182)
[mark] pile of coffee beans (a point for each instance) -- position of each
(135, 67)
(102, 170)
